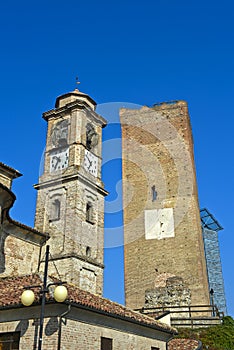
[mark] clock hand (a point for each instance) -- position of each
(90, 164)
(89, 160)
(58, 160)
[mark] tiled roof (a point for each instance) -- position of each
(183, 344)
(11, 289)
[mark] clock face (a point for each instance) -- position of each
(91, 163)
(59, 160)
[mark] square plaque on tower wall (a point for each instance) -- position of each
(159, 223)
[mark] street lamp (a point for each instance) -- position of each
(212, 301)
(28, 297)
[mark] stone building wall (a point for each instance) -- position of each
(18, 257)
(7, 175)
(77, 269)
(83, 330)
(162, 227)
(19, 244)
(172, 293)
(5, 180)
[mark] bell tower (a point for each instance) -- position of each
(70, 200)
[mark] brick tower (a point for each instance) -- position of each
(162, 228)
(70, 201)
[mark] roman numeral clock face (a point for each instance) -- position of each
(59, 160)
(91, 163)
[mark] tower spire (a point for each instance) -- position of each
(77, 82)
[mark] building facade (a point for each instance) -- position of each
(85, 321)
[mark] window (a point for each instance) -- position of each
(55, 210)
(88, 252)
(106, 343)
(154, 193)
(9, 341)
(154, 348)
(89, 212)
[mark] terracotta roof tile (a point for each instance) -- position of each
(183, 344)
(11, 289)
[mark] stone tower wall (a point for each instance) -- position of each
(70, 201)
(162, 230)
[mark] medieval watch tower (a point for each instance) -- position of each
(70, 201)
(162, 227)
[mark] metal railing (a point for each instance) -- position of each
(187, 315)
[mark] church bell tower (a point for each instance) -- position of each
(70, 201)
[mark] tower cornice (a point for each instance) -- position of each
(79, 105)
(64, 179)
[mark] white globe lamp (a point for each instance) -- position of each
(27, 297)
(60, 294)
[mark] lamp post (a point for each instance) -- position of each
(28, 297)
(212, 300)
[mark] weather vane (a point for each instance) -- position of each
(77, 81)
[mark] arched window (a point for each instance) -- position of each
(89, 212)
(55, 210)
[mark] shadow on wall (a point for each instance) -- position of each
(3, 237)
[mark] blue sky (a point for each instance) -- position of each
(122, 51)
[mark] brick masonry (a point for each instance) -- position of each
(157, 151)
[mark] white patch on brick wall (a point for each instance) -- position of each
(159, 223)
